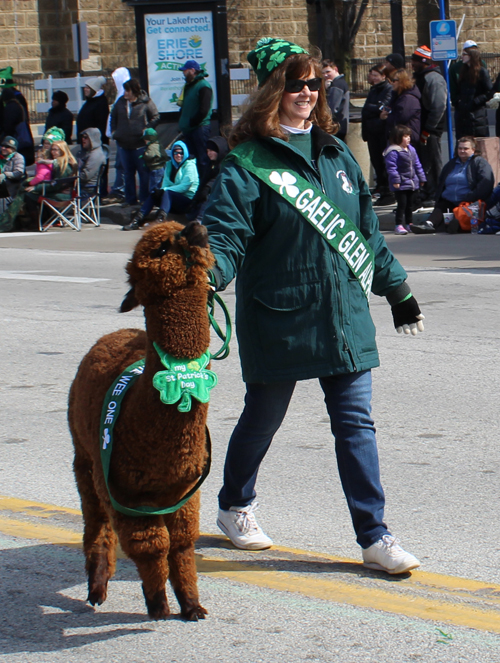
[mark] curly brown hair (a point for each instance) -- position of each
(261, 117)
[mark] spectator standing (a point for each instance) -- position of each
(16, 124)
(60, 116)
(373, 129)
(131, 115)
(117, 193)
(434, 94)
(404, 107)
(95, 110)
(392, 62)
(337, 95)
(196, 110)
(456, 68)
(465, 178)
(7, 82)
(474, 89)
(405, 174)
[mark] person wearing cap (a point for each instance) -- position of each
(392, 62)
(7, 82)
(434, 94)
(60, 116)
(16, 124)
(301, 312)
(474, 89)
(95, 110)
(196, 111)
(337, 94)
(12, 173)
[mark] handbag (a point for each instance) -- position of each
(466, 211)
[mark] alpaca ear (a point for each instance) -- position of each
(129, 302)
(196, 234)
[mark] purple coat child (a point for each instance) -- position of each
(403, 168)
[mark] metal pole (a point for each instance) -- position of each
(442, 16)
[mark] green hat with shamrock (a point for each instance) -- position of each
(54, 135)
(268, 54)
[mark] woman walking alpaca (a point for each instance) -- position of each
(405, 174)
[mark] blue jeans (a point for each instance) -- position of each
(348, 401)
(171, 202)
(196, 142)
(132, 163)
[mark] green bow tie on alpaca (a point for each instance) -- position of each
(184, 379)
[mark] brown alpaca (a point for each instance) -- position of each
(158, 453)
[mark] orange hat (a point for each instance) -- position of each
(422, 53)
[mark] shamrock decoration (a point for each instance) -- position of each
(184, 379)
(285, 181)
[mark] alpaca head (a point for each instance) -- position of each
(167, 259)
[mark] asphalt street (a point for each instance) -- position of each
(308, 598)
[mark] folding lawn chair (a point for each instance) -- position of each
(66, 212)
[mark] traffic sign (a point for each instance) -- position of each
(443, 40)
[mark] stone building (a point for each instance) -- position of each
(36, 34)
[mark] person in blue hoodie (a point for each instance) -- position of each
(179, 185)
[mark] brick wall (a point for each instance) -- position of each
(36, 35)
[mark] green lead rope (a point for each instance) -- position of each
(223, 352)
(110, 412)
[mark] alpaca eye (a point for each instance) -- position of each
(161, 250)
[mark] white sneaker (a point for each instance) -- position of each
(241, 526)
(387, 555)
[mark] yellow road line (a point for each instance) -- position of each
(477, 612)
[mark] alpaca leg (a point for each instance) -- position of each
(183, 530)
(99, 539)
(146, 542)
(183, 579)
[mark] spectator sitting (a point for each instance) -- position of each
(64, 166)
(12, 168)
(59, 116)
(43, 170)
(177, 190)
(466, 178)
(217, 148)
(12, 172)
(90, 159)
(43, 173)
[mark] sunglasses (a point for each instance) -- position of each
(295, 85)
(178, 152)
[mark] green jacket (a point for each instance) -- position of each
(196, 104)
(299, 311)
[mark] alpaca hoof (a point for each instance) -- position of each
(157, 605)
(194, 613)
(97, 596)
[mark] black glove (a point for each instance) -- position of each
(407, 317)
